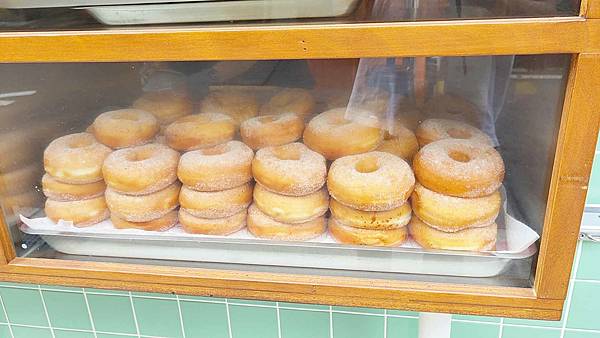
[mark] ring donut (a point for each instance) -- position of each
(60, 191)
(212, 226)
(471, 239)
(75, 159)
(81, 212)
(291, 209)
(400, 142)
(372, 237)
(271, 130)
(215, 204)
(263, 226)
(199, 131)
(163, 223)
(297, 101)
(459, 168)
(373, 220)
(125, 128)
(236, 104)
(373, 181)
(143, 208)
(166, 105)
(141, 170)
(439, 129)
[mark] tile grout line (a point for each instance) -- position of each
(6, 316)
(228, 318)
(572, 286)
(137, 327)
(278, 320)
(46, 312)
(180, 315)
(501, 327)
(87, 305)
(330, 321)
(385, 319)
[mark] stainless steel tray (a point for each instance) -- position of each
(16, 4)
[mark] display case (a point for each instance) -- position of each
(428, 156)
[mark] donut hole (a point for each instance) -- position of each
(126, 115)
(388, 136)
(459, 133)
(286, 153)
(216, 150)
(367, 165)
(140, 155)
(80, 142)
(459, 156)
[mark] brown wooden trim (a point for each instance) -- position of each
(592, 9)
(415, 296)
(570, 177)
(465, 37)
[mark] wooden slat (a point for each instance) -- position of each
(304, 41)
(591, 9)
(569, 182)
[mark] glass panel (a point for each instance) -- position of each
(52, 14)
(301, 166)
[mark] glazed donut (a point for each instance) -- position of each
(75, 158)
(163, 223)
(60, 191)
(215, 204)
(141, 170)
(400, 142)
(291, 209)
(236, 104)
(290, 169)
(263, 226)
(373, 181)
(125, 128)
(166, 105)
(452, 107)
(222, 167)
(143, 208)
(199, 131)
(271, 130)
(439, 129)
(472, 239)
(373, 237)
(373, 220)
(82, 212)
(333, 135)
(212, 226)
(451, 214)
(459, 168)
(290, 100)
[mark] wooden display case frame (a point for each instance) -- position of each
(578, 35)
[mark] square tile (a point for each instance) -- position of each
(403, 313)
(304, 306)
(106, 308)
(4, 331)
(251, 302)
(357, 326)
(67, 310)
(527, 322)
(105, 291)
(157, 317)
(469, 330)
(477, 318)
(588, 263)
(202, 298)
(204, 319)
(303, 324)
(108, 335)
(403, 327)
(593, 193)
(357, 309)
(253, 322)
(153, 294)
(19, 285)
(72, 334)
(585, 306)
(523, 332)
(60, 288)
(24, 306)
(581, 334)
(31, 332)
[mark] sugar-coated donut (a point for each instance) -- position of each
(291, 209)
(290, 169)
(125, 128)
(215, 204)
(373, 237)
(141, 170)
(400, 141)
(163, 223)
(271, 130)
(236, 104)
(450, 214)
(333, 134)
(143, 208)
(82, 212)
(219, 168)
(75, 158)
(199, 131)
(212, 226)
(263, 226)
(453, 107)
(60, 191)
(374, 220)
(166, 105)
(290, 100)
(439, 129)
(373, 181)
(471, 239)
(459, 168)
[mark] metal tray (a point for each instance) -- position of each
(18, 4)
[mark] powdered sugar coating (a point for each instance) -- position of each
(373, 237)
(143, 208)
(163, 223)
(165, 105)
(222, 167)
(400, 141)
(460, 168)
(291, 209)
(263, 226)
(385, 183)
(438, 129)
(60, 191)
(216, 204)
(373, 220)
(290, 100)
(125, 128)
(471, 239)
(200, 131)
(212, 226)
(271, 130)
(236, 104)
(82, 212)
(290, 169)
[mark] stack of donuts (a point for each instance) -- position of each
(456, 198)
